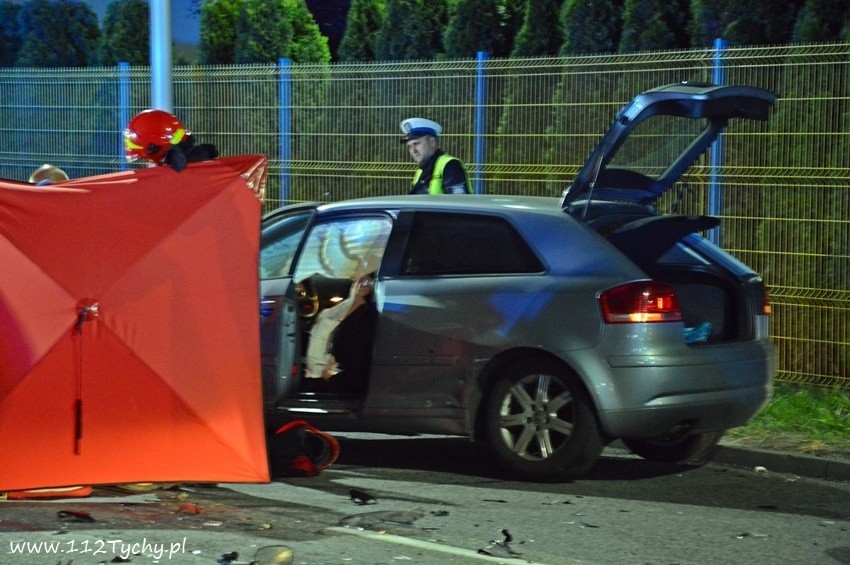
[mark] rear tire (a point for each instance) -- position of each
(540, 424)
(695, 448)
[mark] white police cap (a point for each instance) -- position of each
(414, 128)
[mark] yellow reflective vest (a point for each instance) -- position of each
(435, 186)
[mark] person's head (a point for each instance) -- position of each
(151, 133)
(421, 137)
(46, 174)
(363, 286)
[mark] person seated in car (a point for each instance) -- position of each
(341, 341)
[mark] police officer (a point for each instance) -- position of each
(438, 172)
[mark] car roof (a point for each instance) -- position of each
(505, 204)
(714, 104)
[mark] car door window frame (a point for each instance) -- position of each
(288, 227)
(472, 258)
(359, 261)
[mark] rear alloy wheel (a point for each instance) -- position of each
(695, 448)
(540, 423)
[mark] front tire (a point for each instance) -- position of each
(694, 449)
(540, 423)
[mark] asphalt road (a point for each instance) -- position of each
(439, 501)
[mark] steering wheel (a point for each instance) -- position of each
(307, 299)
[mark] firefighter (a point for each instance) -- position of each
(160, 138)
(438, 172)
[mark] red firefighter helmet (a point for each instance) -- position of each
(151, 133)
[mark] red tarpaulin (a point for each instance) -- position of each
(129, 340)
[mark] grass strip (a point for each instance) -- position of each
(803, 418)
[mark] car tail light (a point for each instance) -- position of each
(640, 301)
(766, 309)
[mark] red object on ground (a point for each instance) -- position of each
(306, 458)
(189, 508)
(129, 343)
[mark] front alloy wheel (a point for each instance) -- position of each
(540, 423)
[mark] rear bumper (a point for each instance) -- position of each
(694, 413)
(718, 388)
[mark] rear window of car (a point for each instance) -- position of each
(656, 144)
(466, 244)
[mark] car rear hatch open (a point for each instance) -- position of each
(652, 143)
(638, 159)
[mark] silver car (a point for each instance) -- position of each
(544, 328)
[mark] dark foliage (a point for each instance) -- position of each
(126, 34)
(474, 26)
(10, 37)
(61, 33)
(590, 27)
(541, 34)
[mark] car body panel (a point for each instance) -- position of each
(463, 322)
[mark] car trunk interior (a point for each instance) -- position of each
(707, 292)
(708, 296)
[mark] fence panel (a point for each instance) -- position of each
(785, 196)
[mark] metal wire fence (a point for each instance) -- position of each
(523, 126)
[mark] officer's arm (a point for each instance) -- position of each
(454, 178)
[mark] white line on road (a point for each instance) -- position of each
(421, 544)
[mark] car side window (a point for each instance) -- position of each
(280, 239)
(344, 248)
(466, 244)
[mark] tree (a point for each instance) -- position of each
(62, 33)
(759, 23)
(260, 31)
(822, 20)
(474, 26)
(126, 34)
(526, 97)
(395, 40)
(263, 32)
(590, 27)
(359, 43)
(435, 17)
(511, 14)
(10, 38)
(218, 31)
(651, 24)
(307, 44)
(411, 30)
(541, 34)
(777, 17)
